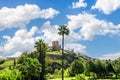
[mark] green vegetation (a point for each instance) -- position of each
(76, 68)
(41, 49)
(73, 78)
(29, 67)
(63, 30)
(8, 74)
(66, 78)
(43, 63)
(54, 53)
(6, 64)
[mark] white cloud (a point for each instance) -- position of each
(110, 56)
(107, 6)
(49, 32)
(22, 41)
(79, 4)
(1, 49)
(78, 48)
(22, 15)
(82, 27)
(48, 13)
(88, 26)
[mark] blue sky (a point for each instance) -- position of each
(94, 26)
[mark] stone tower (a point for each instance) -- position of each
(55, 46)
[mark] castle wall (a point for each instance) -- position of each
(55, 46)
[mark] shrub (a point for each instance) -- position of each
(76, 68)
(8, 74)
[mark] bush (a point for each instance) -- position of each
(76, 68)
(7, 74)
(66, 72)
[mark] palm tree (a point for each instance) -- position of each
(63, 30)
(41, 48)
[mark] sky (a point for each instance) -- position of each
(94, 26)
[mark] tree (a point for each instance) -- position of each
(34, 54)
(99, 68)
(41, 49)
(29, 67)
(89, 66)
(116, 67)
(76, 68)
(108, 68)
(63, 30)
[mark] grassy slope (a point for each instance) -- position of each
(11, 62)
(54, 52)
(59, 53)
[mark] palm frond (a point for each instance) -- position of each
(63, 30)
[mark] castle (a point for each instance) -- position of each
(55, 46)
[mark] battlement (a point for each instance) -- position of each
(55, 46)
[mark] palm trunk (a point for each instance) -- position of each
(40, 60)
(14, 63)
(62, 57)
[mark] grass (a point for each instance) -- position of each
(108, 79)
(59, 61)
(54, 52)
(67, 78)
(73, 78)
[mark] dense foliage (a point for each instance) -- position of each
(8, 74)
(29, 67)
(96, 68)
(76, 68)
(41, 48)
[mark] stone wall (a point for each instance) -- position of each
(55, 46)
